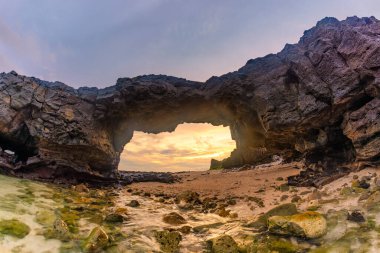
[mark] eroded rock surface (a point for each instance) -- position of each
(317, 99)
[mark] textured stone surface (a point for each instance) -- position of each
(317, 99)
(308, 224)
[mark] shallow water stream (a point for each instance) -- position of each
(45, 207)
(38, 205)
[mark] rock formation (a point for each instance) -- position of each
(317, 99)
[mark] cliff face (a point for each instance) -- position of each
(318, 99)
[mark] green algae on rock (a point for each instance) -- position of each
(269, 244)
(45, 217)
(14, 228)
(223, 244)
(59, 230)
(307, 224)
(281, 210)
(168, 240)
(96, 241)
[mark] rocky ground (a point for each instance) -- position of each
(341, 216)
(242, 210)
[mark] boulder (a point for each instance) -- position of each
(174, 219)
(223, 244)
(308, 225)
(281, 210)
(169, 241)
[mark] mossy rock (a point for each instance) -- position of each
(281, 210)
(71, 218)
(97, 240)
(14, 228)
(269, 244)
(282, 246)
(27, 196)
(346, 191)
(351, 191)
(308, 225)
(45, 217)
(223, 244)
(59, 230)
(168, 240)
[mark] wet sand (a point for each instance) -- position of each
(264, 182)
(224, 183)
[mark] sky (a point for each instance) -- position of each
(190, 147)
(94, 42)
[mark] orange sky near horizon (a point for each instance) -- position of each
(189, 147)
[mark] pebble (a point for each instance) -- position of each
(356, 216)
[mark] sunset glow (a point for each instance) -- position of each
(189, 147)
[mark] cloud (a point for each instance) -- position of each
(24, 53)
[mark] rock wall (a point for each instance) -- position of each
(317, 99)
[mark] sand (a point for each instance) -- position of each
(262, 182)
(223, 183)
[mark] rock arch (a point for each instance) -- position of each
(317, 99)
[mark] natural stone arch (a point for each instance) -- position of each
(173, 101)
(317, 99)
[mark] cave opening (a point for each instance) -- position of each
(189, 148)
